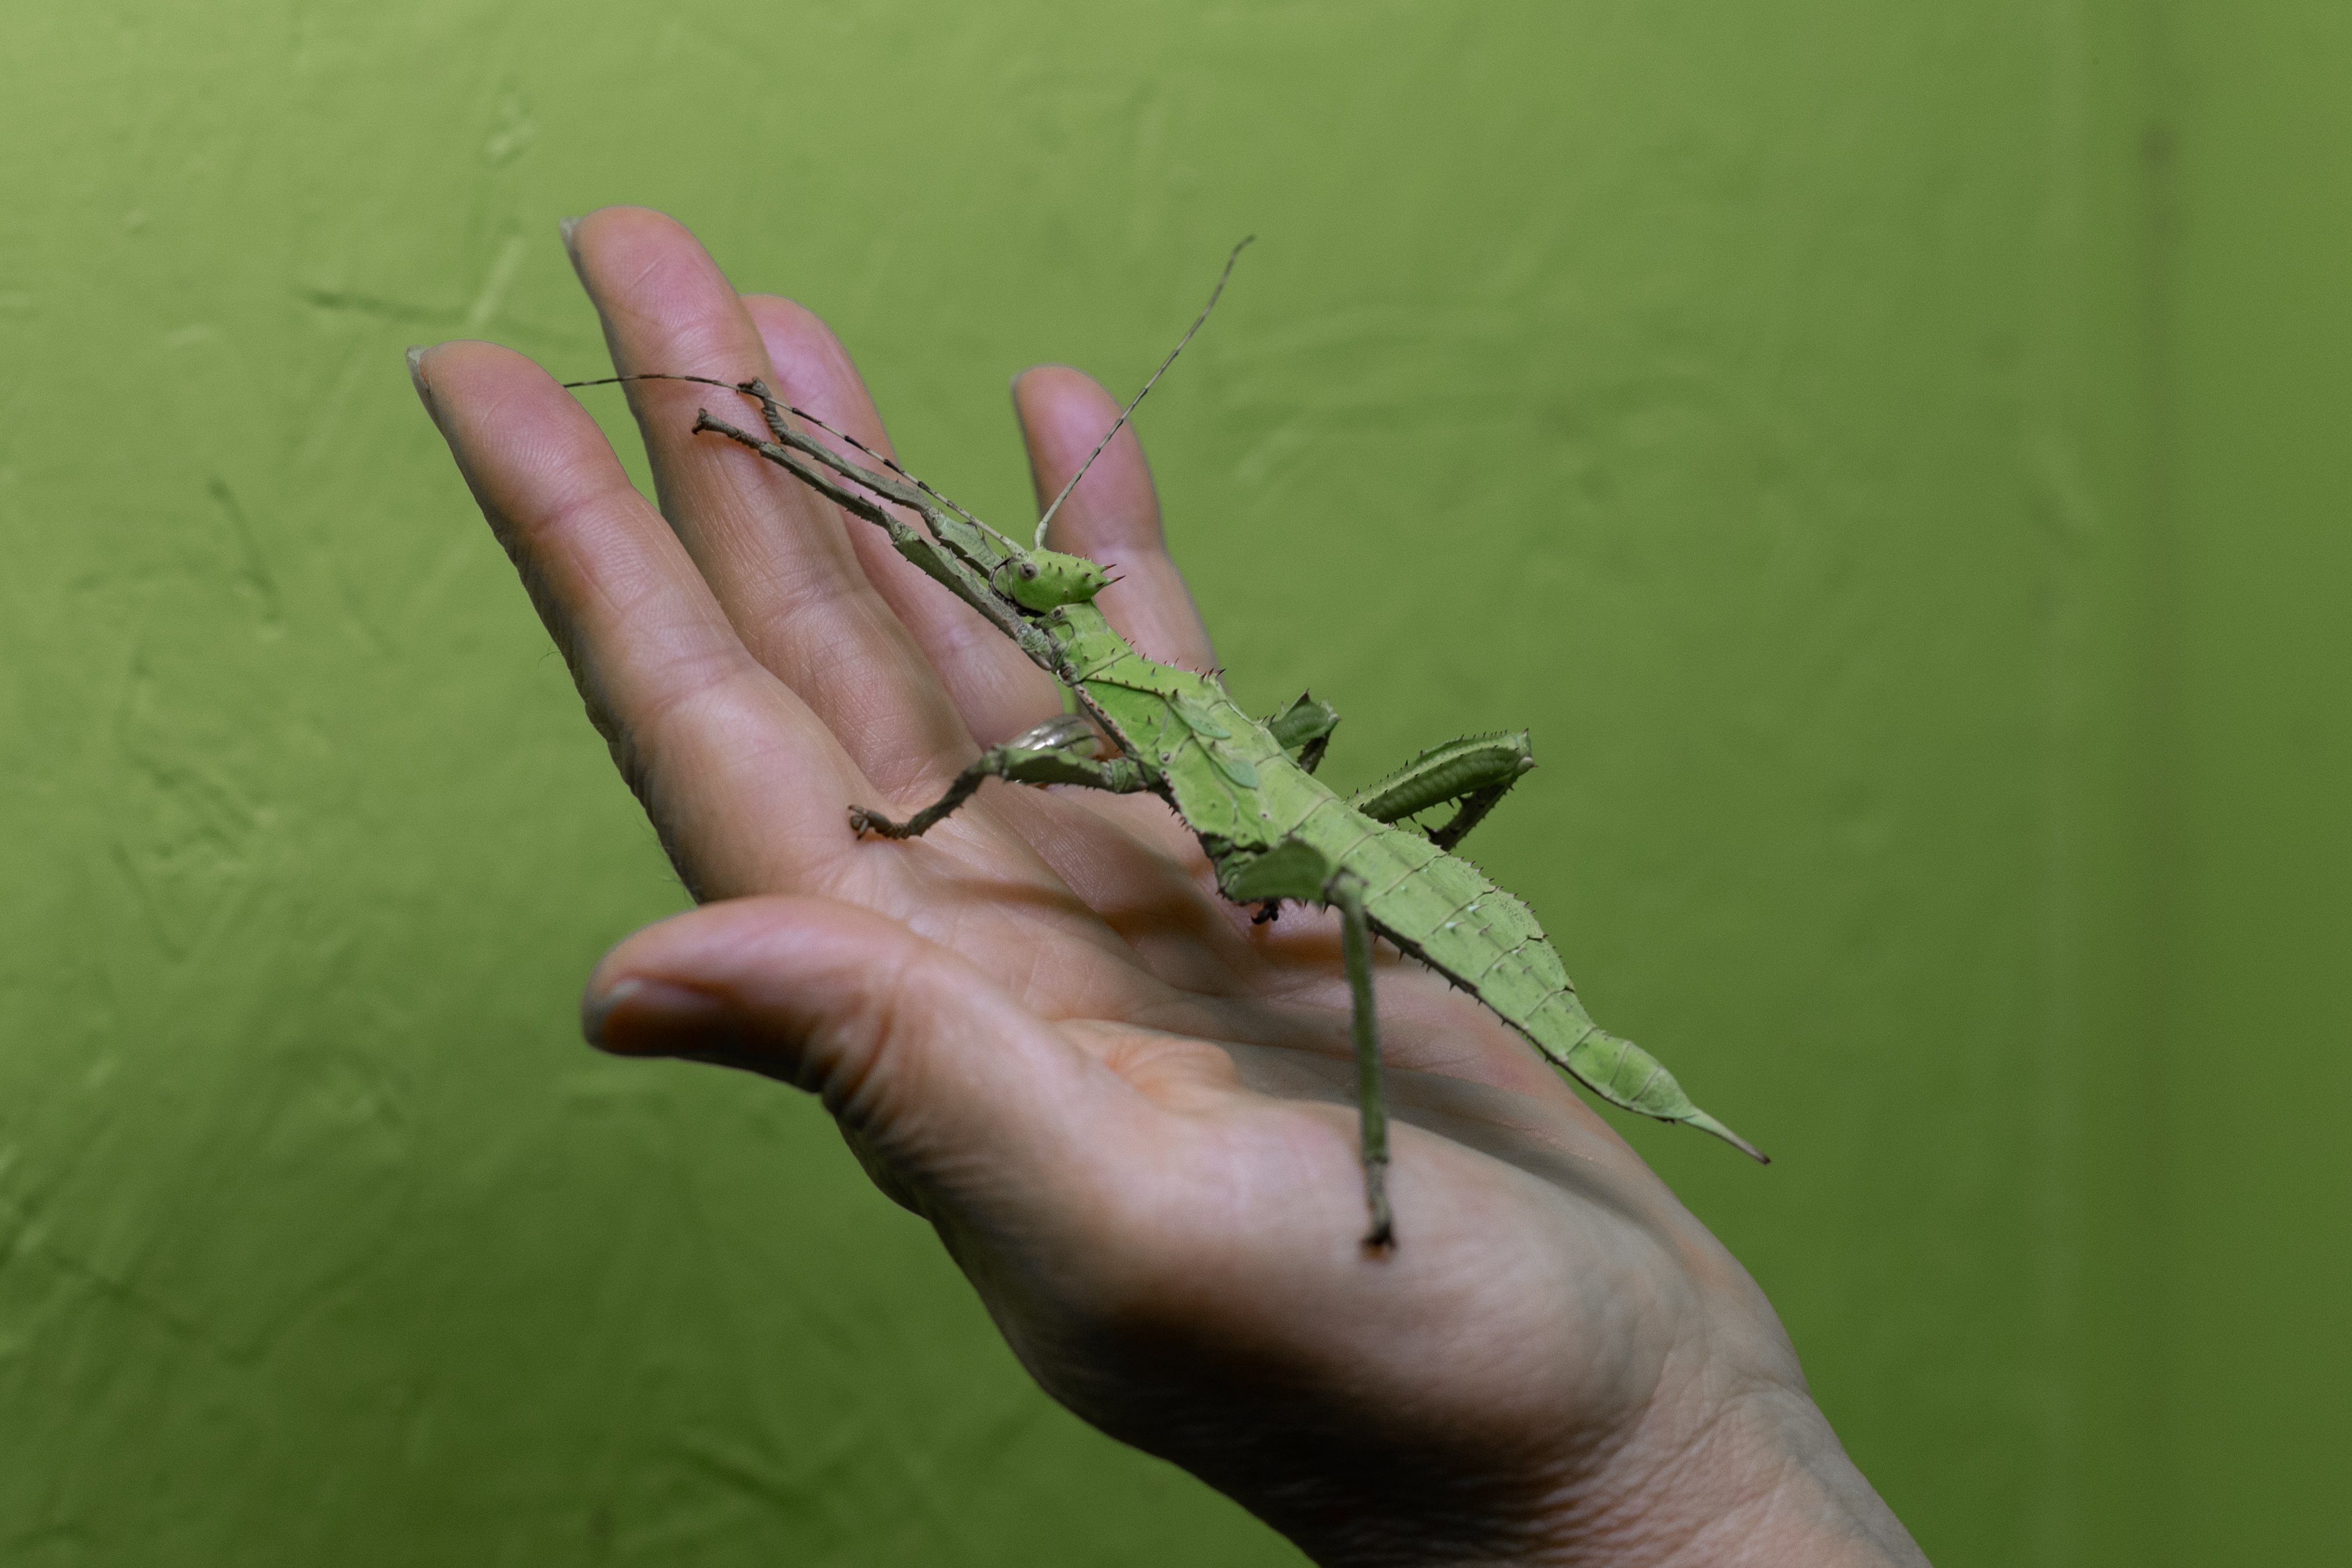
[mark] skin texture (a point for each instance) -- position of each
(1123, 1108)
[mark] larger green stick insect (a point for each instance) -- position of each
(1245, 786)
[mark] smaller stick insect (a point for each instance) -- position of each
(1244, 786)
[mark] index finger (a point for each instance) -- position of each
(745, 785)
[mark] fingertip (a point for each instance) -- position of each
(526, 448)
(1044, 366)
(780, 309)
(1059, 394)
(569, 229)
(460, 371)
(574, 230)
(826, 995)
(638, 1017)
(661, 292)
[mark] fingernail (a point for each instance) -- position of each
(564, 225)
(656, 1018)
(416, 379)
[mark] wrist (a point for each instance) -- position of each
(1755, 1479)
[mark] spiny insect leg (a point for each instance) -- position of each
(773, 411)
(950, 568)
(1472, 774)
(963, 535)
(795, 465)
(1053, 752)
(1347, 892)
(1472, 811)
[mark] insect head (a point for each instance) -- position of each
(1047, 579)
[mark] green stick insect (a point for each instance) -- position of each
(1244, 786)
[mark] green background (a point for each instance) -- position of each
(1892, 455)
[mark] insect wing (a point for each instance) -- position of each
(1200, 718)
(1235, 766)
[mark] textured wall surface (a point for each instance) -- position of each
(1860, 428)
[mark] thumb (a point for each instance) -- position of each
(921, 1058)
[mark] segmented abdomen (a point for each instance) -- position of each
(1444, 911)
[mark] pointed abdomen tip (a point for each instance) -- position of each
(1707, 1123)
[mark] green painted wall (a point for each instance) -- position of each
(2256, 1380)
(1892, 444)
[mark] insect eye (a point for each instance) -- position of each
(1028, 569)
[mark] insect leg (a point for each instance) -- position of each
(1347, 892)
(773, 411)
(1472, 773)
(950, 567)
(1053, 752)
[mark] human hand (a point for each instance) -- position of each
(1125, 1109)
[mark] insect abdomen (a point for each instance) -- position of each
(1444, 911)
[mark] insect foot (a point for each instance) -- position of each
(862, 821)
(1381, 1240)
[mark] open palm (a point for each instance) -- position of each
(1126, 1109)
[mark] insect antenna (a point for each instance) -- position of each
(1203, 316)
(746, 389)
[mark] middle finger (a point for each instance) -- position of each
(776, 554)
(999, 692)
